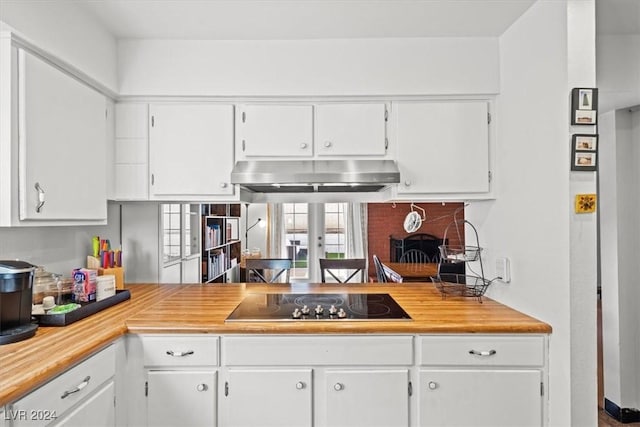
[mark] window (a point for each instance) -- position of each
(305, 223)
(171, 236)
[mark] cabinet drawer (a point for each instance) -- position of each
(320, 350)
(472, 350)
(180, 350)
(62, 393)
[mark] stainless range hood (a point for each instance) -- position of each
(315, 176)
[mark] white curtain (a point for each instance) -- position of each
(356, 230)
(275, 230)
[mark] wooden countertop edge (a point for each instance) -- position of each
(128, 317)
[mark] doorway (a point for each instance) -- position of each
(313, 231)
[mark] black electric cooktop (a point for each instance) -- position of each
(316, 307)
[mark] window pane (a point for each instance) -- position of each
(297, 238)
(334, 232)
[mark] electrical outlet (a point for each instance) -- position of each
(503, 269)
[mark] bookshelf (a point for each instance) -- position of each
(220, 242)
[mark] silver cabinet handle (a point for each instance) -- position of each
(179, 353)
(432, 385)
(407, 183)
(223, 185)
(40, 197)
(327, 144)
(338, 387)
(304, 145)
(202, 387)
(79, 387)
(483, 353)
(300, 385)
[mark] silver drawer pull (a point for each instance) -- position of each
(40, 197)
(202, 387)
(79, 387)
(482, 353)
(179, 353)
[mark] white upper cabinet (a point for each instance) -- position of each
(131, 158)
(190, 151)
(275, 130)
(443, 148)
(350, 129)
(62, 145)
(318, 130)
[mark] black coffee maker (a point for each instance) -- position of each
(16, 282)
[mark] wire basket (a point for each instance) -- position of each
(464, 285)
(458, 253)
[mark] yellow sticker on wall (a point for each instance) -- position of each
(585, 203)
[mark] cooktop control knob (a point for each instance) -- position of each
(333, 310)
(319, 310)
(296, 314)
(305, 310)
(342, 314)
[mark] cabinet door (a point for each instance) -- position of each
(367, 397)
(489, 398)
(274, 397)
(350, 129)
(181, 398)
(131, 166)
(190, 149)
(276, 130)
(62, 128)
(98, 410)
(443, 147)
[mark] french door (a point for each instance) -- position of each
(313, 231)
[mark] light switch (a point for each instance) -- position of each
(503, 269)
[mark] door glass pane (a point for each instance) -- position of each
(170, 231)
(296, 219)
(334, 230)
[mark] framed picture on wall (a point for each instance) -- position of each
(584, 106)
(584, 150)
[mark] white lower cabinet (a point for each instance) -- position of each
(96, 411)
(268, 397)
(340, 380)
(181, 398)
(81, 396)
(481, 380)
(367, 397)
(360, 380)
(181, 379)
(484, 397)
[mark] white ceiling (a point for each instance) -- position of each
(304, 19)
(618, 16)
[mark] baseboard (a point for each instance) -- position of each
(623, 415)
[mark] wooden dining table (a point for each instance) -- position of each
(410, 271)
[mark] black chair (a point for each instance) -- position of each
(279, 266)
(329, 265)
(415, 256)
(380, 273)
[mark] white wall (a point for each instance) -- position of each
(618, 69)
(140, 242)
(308, 67)
(66, 31)
(58, 249)
(529, 221)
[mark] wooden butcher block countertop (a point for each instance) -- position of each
(198, 308)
